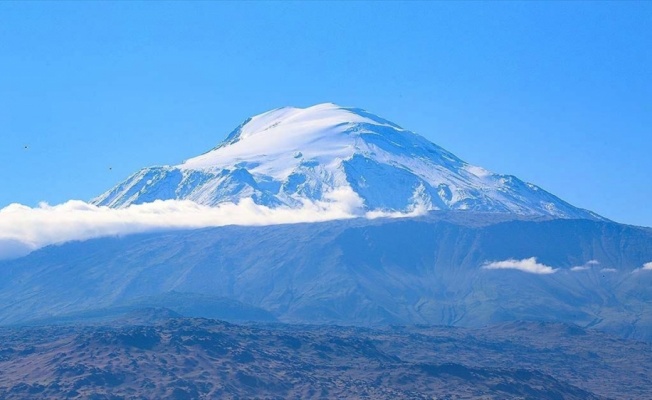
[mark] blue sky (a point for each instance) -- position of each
(558, 94)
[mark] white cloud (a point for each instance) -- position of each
(24, 229)
(529, 265)
(608, 270)
(587, 265)
(646, 267)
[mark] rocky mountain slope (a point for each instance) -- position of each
(177, 358)
(429, 270)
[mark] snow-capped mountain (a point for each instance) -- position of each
(290, 156)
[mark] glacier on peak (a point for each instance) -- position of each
(290, 156)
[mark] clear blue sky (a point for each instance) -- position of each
(558, 94)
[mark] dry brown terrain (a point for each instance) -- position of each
(182, 358)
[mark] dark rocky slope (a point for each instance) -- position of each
(203, 359)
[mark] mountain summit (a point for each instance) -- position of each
(290, 156)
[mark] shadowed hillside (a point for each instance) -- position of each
(204, 359)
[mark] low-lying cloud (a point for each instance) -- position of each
(587, 265)
(646, 267)
(24, 229)
(529, 265)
